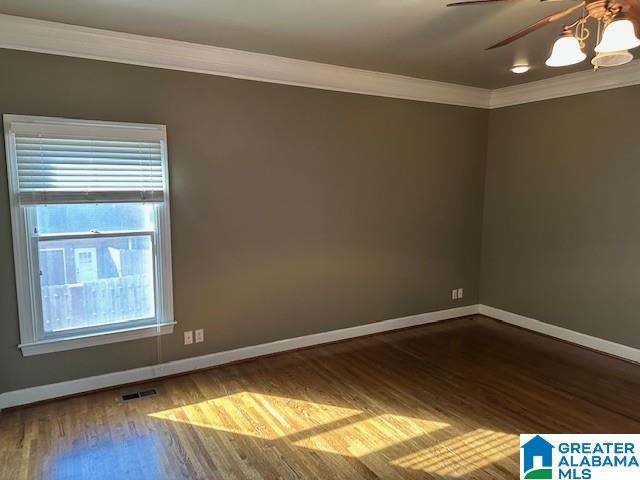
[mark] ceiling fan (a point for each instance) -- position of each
(618, 20)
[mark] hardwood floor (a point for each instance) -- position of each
(443, 401)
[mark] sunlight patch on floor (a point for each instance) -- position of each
(464, 454)
(322, 427)
(405, 442)
(258, 415)
(371, 435)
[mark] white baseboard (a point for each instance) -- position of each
(72, 387)
(605, 346)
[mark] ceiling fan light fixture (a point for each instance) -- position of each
(612, 59)
(520, 69)
(618, 36)
(566, 51)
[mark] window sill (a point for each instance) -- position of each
(72, 343)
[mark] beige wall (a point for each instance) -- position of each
(561, 237)
(294, 211)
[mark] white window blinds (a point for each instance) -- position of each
(71, 161)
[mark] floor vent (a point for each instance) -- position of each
(140, 394)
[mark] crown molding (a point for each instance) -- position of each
(566, 85)
(19, 33)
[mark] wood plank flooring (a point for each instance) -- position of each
(444, 401)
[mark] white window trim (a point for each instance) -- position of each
(27, 287)
(91, 340)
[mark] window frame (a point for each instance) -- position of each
(33, 340)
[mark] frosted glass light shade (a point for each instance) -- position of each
(619, 35)
(612, 59)
(566, 51)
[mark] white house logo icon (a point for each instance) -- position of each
(537, 459)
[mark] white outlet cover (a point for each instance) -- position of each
(200, 335)
(460, 292)
(188, 337)
(454, 294)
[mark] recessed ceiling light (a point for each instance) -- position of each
(519, 69)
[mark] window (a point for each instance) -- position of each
(90, 218)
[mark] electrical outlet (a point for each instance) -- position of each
(188, 337)
(460, 293)
(200, 335)
(454, 294)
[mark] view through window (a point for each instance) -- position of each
(96, 264)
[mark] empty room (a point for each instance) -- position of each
(330, 239)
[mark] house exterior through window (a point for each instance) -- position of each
(90, 218)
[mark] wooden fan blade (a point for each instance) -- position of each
(538, 25)
(474, 2)
(632, 9)
(634, 6)
(484, 2)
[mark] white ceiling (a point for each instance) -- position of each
(420, 38)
